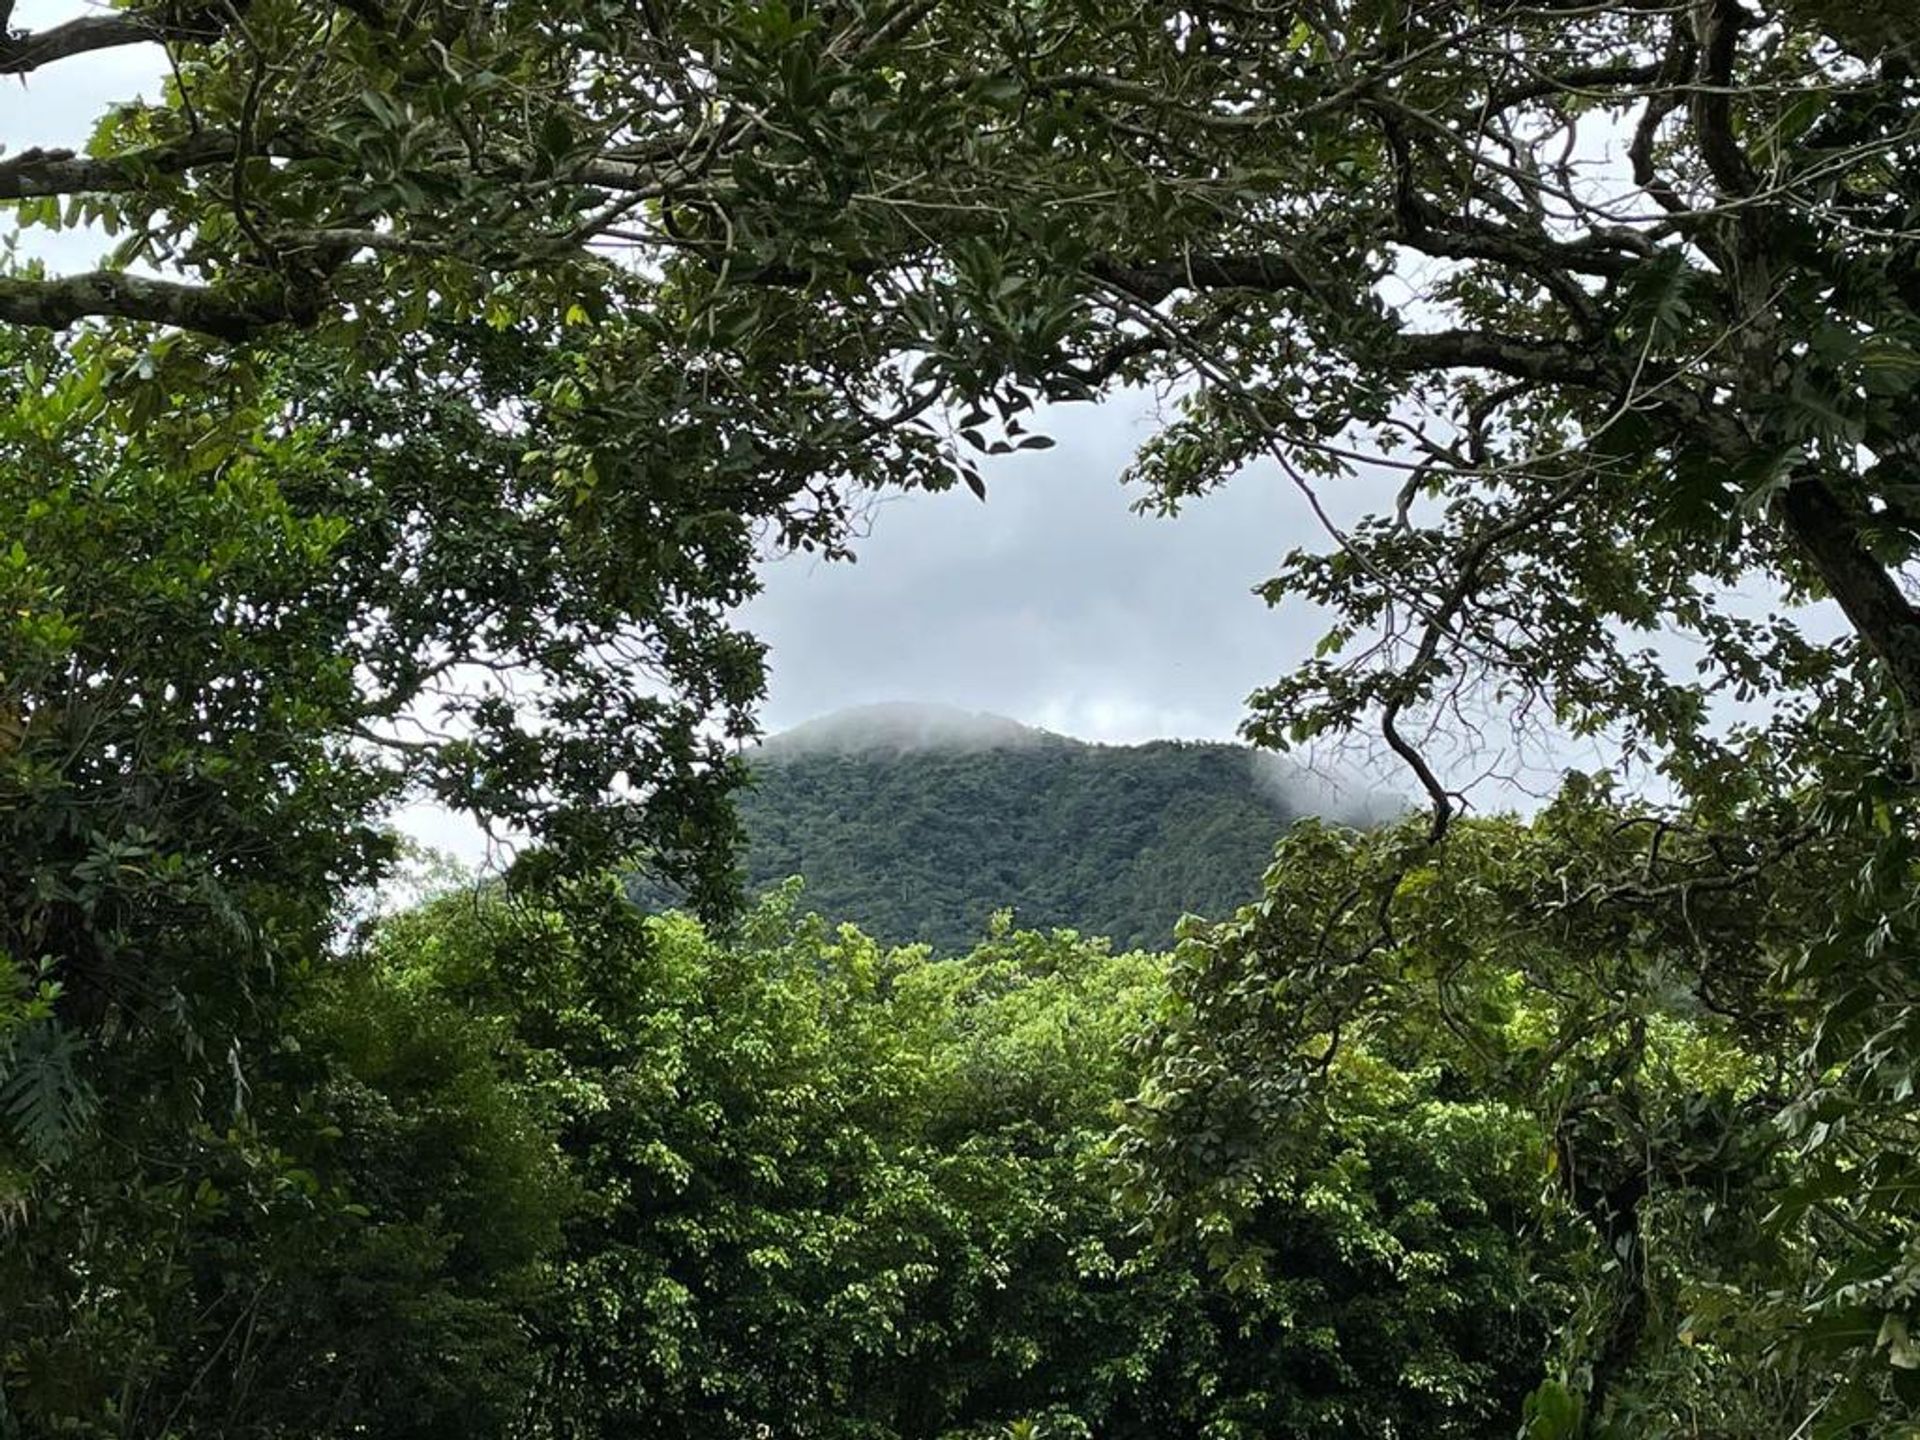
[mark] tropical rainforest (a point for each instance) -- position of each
(447, 368)
(925, 841)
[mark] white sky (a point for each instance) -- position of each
(1052, 602)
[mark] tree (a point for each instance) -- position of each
(310, 162)
(364, 172)
(880, 1201)
(1625, 297)
(329, 503)
(431, 281)
(1659, 351)
(1669, 313)
(356, 1252)
(298, 532)
(248, 607)
(1695, 1118)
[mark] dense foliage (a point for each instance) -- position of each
(243, 618)
(564, 1170)
(1717, 1285)
(418, 436)
(925, 845)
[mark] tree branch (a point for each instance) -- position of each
(20, 54)
(1576, 81)
(1675, 67)
(1870, 597)
(1719, 23)
(63, 172)
(1521, 357)
(57, 303)
(1153, 281)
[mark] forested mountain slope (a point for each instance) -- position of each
(918, 823)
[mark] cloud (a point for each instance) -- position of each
(1052, 602)
(901, 728)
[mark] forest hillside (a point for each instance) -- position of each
(919, 822)
(466, 412)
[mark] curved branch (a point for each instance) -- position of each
(1870, 597)
(1719, 24)
(1675, 67)
(1519, 356)
(21, 54)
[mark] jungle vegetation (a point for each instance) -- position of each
(926, 844)
(451, 364)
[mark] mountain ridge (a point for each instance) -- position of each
(903, 726)
(918, 822)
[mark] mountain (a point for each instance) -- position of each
(918, 822)
(899, 728)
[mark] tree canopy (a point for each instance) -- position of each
(1625, 296)
(561, 1169)
(451, 366)
(924, 846)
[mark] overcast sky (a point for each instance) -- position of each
(1051, 602)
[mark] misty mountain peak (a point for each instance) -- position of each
(902, 727)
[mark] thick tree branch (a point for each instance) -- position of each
(1675, 67)
(20, 54)
(58, 303)
(1870, 597)
(1609, 254)
(1521, 357)
(1718, 25)
(63, 172)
